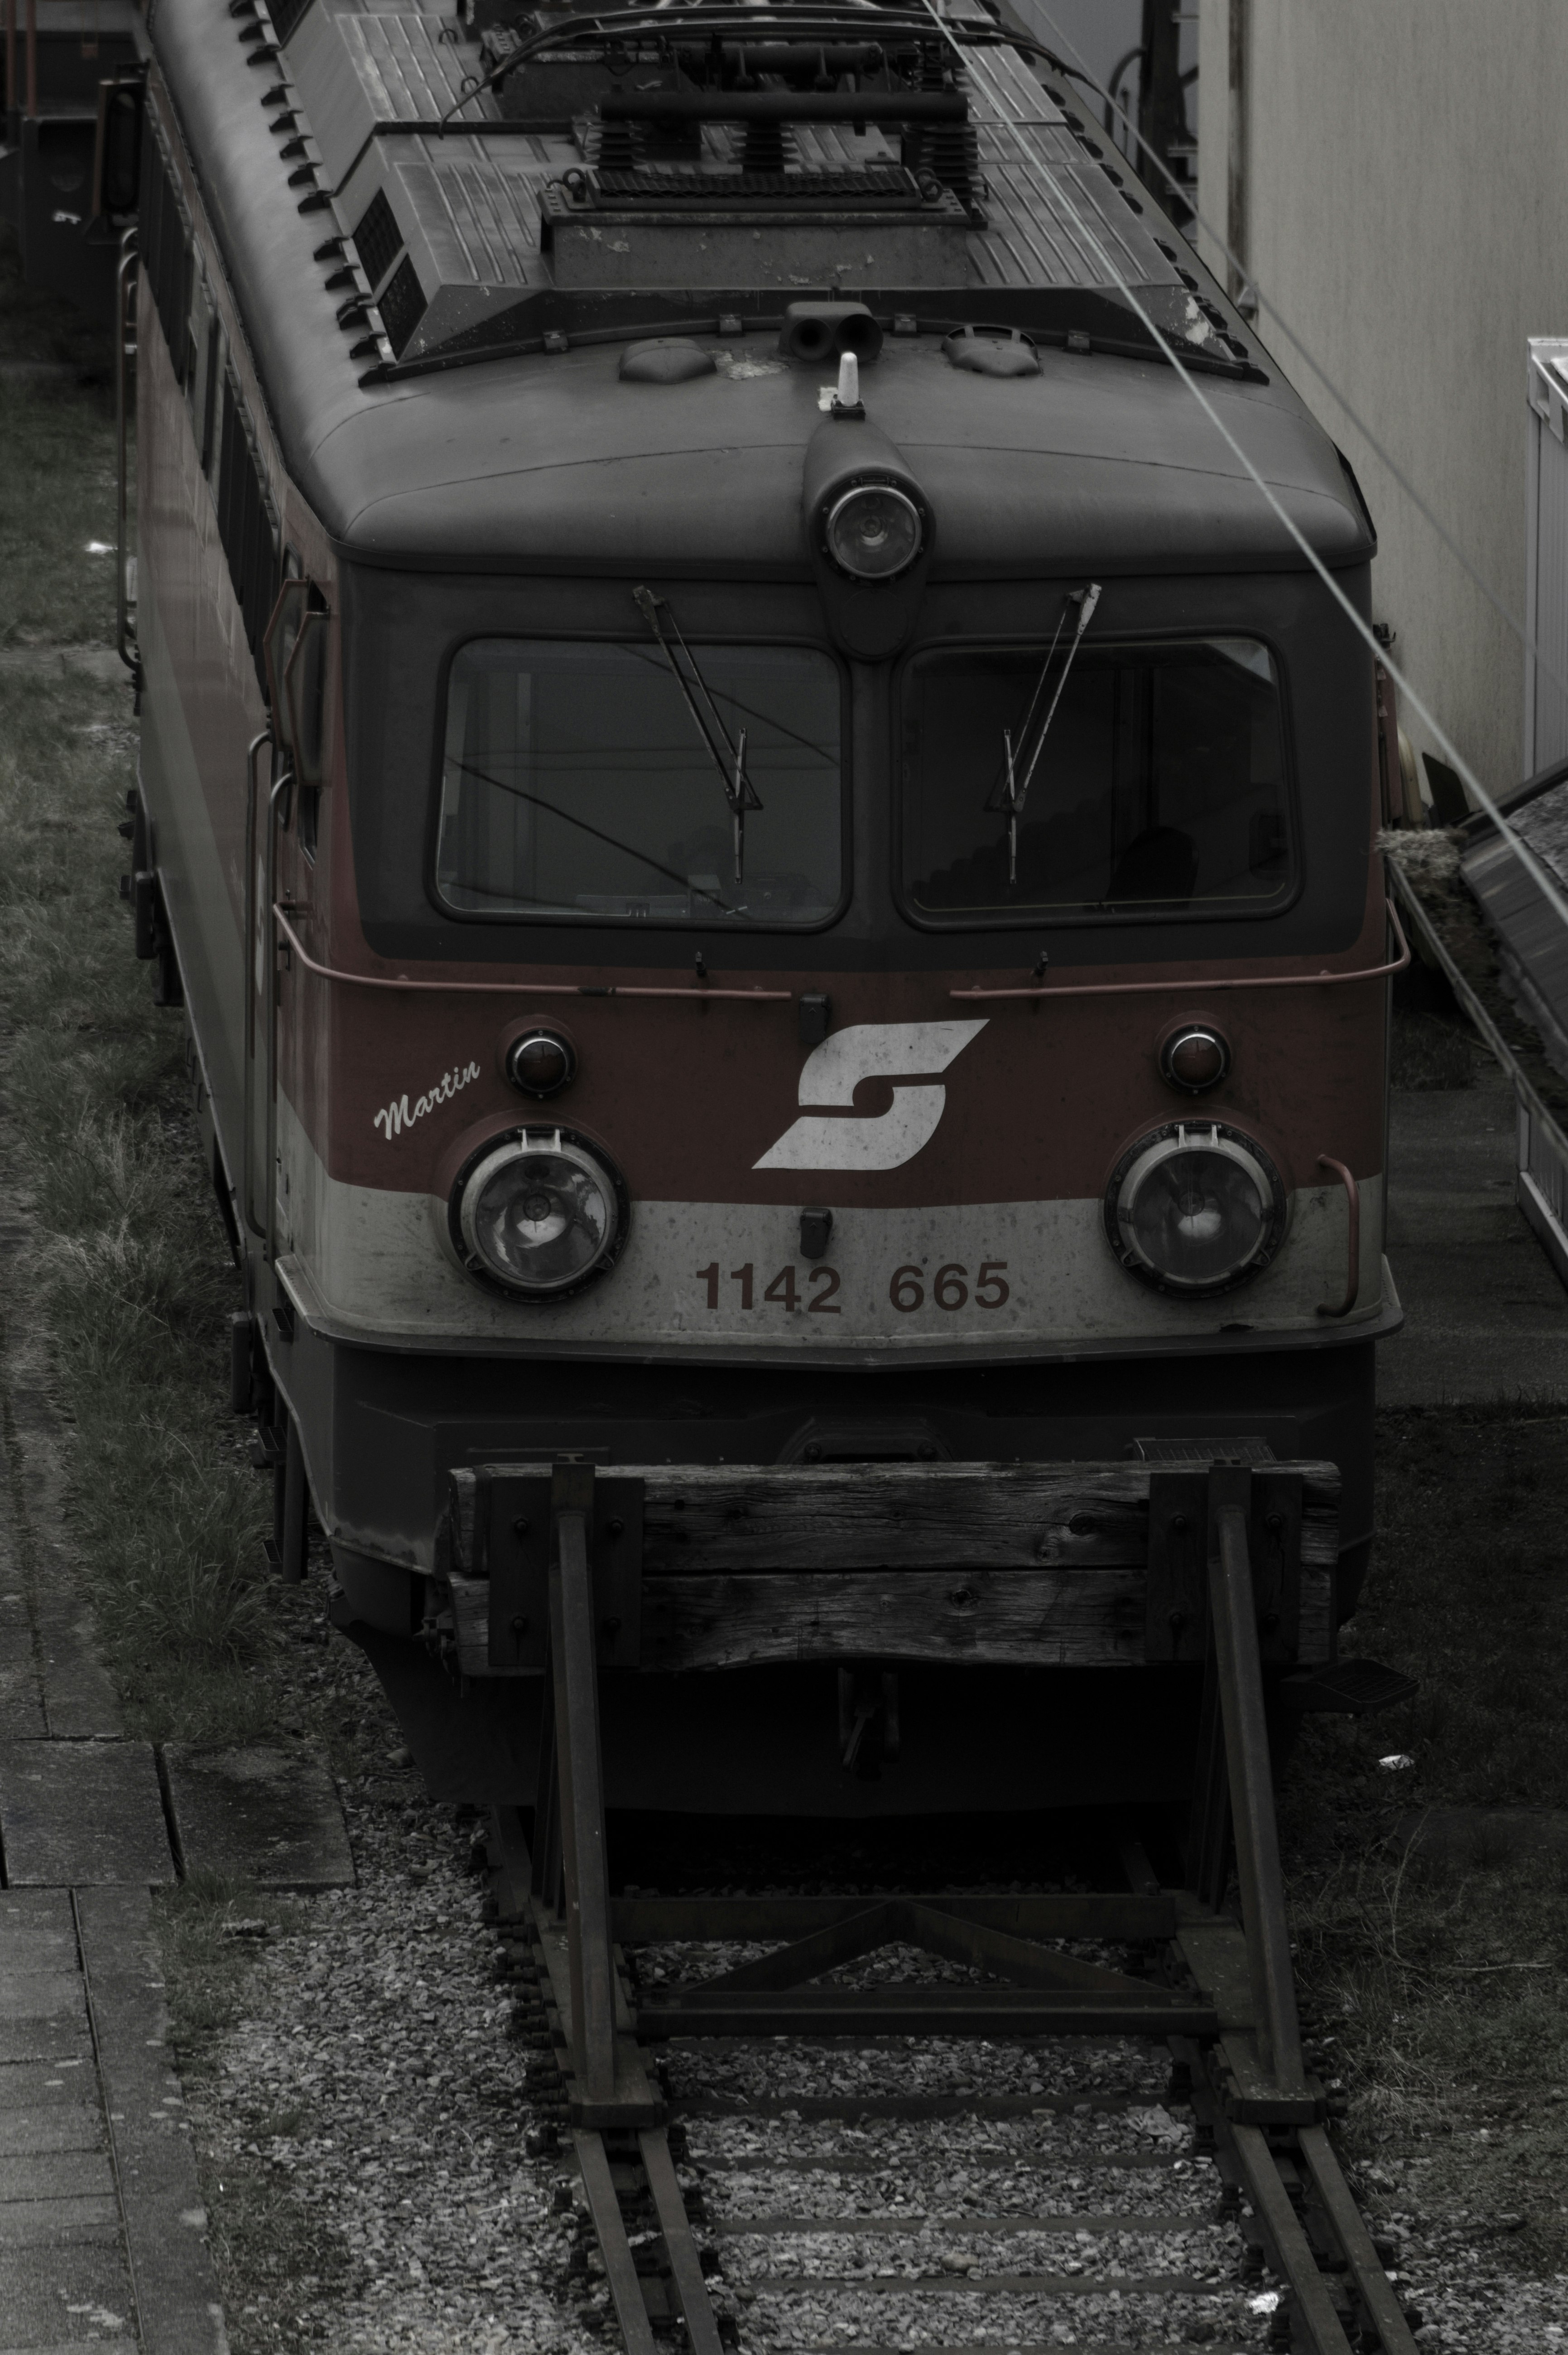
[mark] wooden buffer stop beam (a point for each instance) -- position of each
(565, 1571)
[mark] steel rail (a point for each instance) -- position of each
(699, 993)
(1322, 980)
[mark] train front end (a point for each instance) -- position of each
(817, 909)
(778, 1012)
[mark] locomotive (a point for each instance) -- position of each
(768, 847)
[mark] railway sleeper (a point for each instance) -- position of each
(1219, 1989)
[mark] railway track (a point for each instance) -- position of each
(947, 2118)
(882, 2186)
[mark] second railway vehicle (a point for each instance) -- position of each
(769, 848)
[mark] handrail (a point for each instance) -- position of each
(282, 786)
(125, 347)
(247, 1110)
(1354, 1202)
(1200, 988)
(701, 993)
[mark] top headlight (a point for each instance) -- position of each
(539, 1212)
(875, 531)
(1195, 1208)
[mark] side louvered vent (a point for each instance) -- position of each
(245, 528)
(401, 305)
(166, 248)
(377, 240)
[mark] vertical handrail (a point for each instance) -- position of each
(282, 787)
(575, 1665)
(249, 951)
(32, 60)
(10, 57)
(124, 351)
(1353, 1222)
(1233, 1611)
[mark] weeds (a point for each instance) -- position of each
(1430, 1053)
(128, 1272)
(1430, 1951)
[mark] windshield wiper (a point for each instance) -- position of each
(1015, 790)
(728, 754)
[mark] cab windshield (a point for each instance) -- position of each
(576, 784)
(1158, 787)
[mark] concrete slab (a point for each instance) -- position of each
(34, 2129)
(59, 2041)
(177, 2309)
(21, 1695)
(270, 1814)
(1485, 1315)
(44, 2291)
(40, 1995)
(82, 1815)
(57, 2175)
(59, 2223)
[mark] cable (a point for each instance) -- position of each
(1504, 612)
(1527, 858)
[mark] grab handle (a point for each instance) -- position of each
(124, 352)
(1353, 1204)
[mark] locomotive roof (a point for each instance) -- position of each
(468, 443)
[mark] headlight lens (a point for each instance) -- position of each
(874, 532)
(539, 1212)
(1195, 1209)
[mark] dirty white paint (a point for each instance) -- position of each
(1408, 217)
(946, 1277)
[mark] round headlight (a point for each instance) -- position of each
(1195, 1208)
(539, 1212)
(874, 532)
(541, 1063)
(1195, 1057)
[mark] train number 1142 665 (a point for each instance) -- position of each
(815, 1289)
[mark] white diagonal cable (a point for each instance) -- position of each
(1527, 858)
(1504, 612)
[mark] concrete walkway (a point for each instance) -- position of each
(102, 2233)
(1485, 1315)
(101, 2229)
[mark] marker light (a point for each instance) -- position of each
(541, 1063)
(1195, 1208)
(1195, 1059)
(539, 1212)
(873, 532)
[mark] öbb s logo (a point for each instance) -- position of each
(866, 1050)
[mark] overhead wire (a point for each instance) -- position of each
(1533, 866)
(1505, 612)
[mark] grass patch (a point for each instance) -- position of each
(1431, 1951)
(58, 489)
(1429, 1052)
(59, 498)
(129, 1273)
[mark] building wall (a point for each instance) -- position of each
(1405, 214)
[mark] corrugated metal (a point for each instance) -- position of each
(1546, 584)
(1046, 190)
(375, 85)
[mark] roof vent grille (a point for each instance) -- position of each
(377, 240)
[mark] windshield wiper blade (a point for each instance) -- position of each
(728, 754)
(1015, 790)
